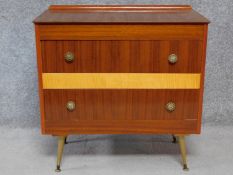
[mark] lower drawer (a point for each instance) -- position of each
(121, 111)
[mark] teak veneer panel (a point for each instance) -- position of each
(121, 32)
(120, 81)
(122, 56)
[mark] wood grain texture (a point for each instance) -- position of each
(116, 14)
(121, 32)
(120, 81)
(122, 56)
(107, 106)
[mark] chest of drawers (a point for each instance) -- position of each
(121, 70)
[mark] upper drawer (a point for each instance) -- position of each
(128, 56)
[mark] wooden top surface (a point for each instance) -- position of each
(122, 14)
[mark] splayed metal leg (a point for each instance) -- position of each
(181, 139)
(61, 142)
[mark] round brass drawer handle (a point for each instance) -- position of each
(170, 106)
(172, 58)
(70, 105)
(69, 57)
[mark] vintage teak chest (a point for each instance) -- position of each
(135, 69)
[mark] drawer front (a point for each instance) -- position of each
(144, 56)
(121, 111)
(121, 104)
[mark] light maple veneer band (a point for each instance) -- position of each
(120, 81)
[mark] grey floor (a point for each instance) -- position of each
(26, 152)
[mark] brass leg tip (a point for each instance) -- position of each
(185, 168)
(58, 169)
